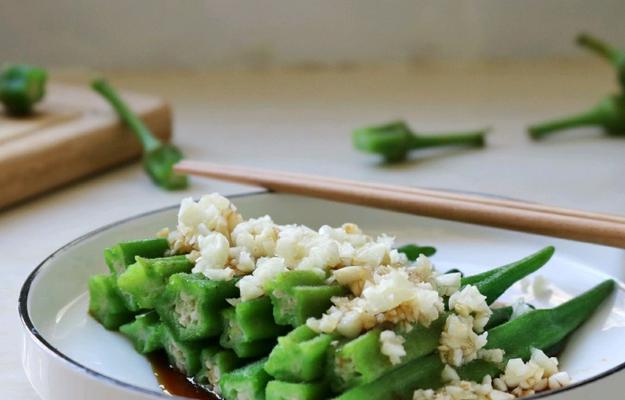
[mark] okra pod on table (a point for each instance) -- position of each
(120, 256)
(299, 356)
(214, 363)
(245, 383)
(106, 303)
(143, 282)
(278, 390)
(233, 337)
(144, 332)
(183, 355)
(191, 305)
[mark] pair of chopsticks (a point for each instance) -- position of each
(545, 220)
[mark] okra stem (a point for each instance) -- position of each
(598, 46)
(590, 118)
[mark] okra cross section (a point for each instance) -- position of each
(120, 256)
(183, 355)
(106, 303)
(215, 362)
(233, 337)
(144, 332)
(299, 356)
(245, 383)
(143, 282)
(190, 305)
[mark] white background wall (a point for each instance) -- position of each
(158, 34)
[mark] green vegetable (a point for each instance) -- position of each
(183, 355)
(609, 114)
(245, 383)
(299, 356)
(548, 327)
(191, 305)
(233, 337)
(499, 316)
(158, 157)
(400, 383)
(252, 320)
(360, 360)
(495, 282)
(299, 295)
(615, 56)
(21, 87)
(412, 251)
(123, 254)
(144, 332)
(106, 304)
(278, 390)
(394, 141)
(143, 282)
(215, 362)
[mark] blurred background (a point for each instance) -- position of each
(199, 34)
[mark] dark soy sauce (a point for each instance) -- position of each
(173, 382)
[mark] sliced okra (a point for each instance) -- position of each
(143, 282)
(120, 256)
(183, 355)
(144, 332)
(106, 304)
(215, 362)
(191, 304)
(279, 390)
(246, 383)
(299, 356)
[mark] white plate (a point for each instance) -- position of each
(67, 355)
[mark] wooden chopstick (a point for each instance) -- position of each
(526, 217)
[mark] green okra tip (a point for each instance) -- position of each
(21, 87)
(395, 140)
(158, 158)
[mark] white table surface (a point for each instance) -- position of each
(300, 120)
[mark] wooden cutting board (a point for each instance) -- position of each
(75, 133)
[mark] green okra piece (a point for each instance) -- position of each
(412, 251)
(615, 56)
(279, 390)
(400, 383)
(233, 337)
(547, 327)
(300, 356)
(215, 362)
(246, 383)
(21, 87)
(395, 140)
(144, 332)
(183, 355)
(299, 295)
(495, 282)
(500, 315)
(158, 158)
(143, 282)
(191, 304)
(608, 114)
(255, 319)
(120, 256)
(106, 305)
(360, 360)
